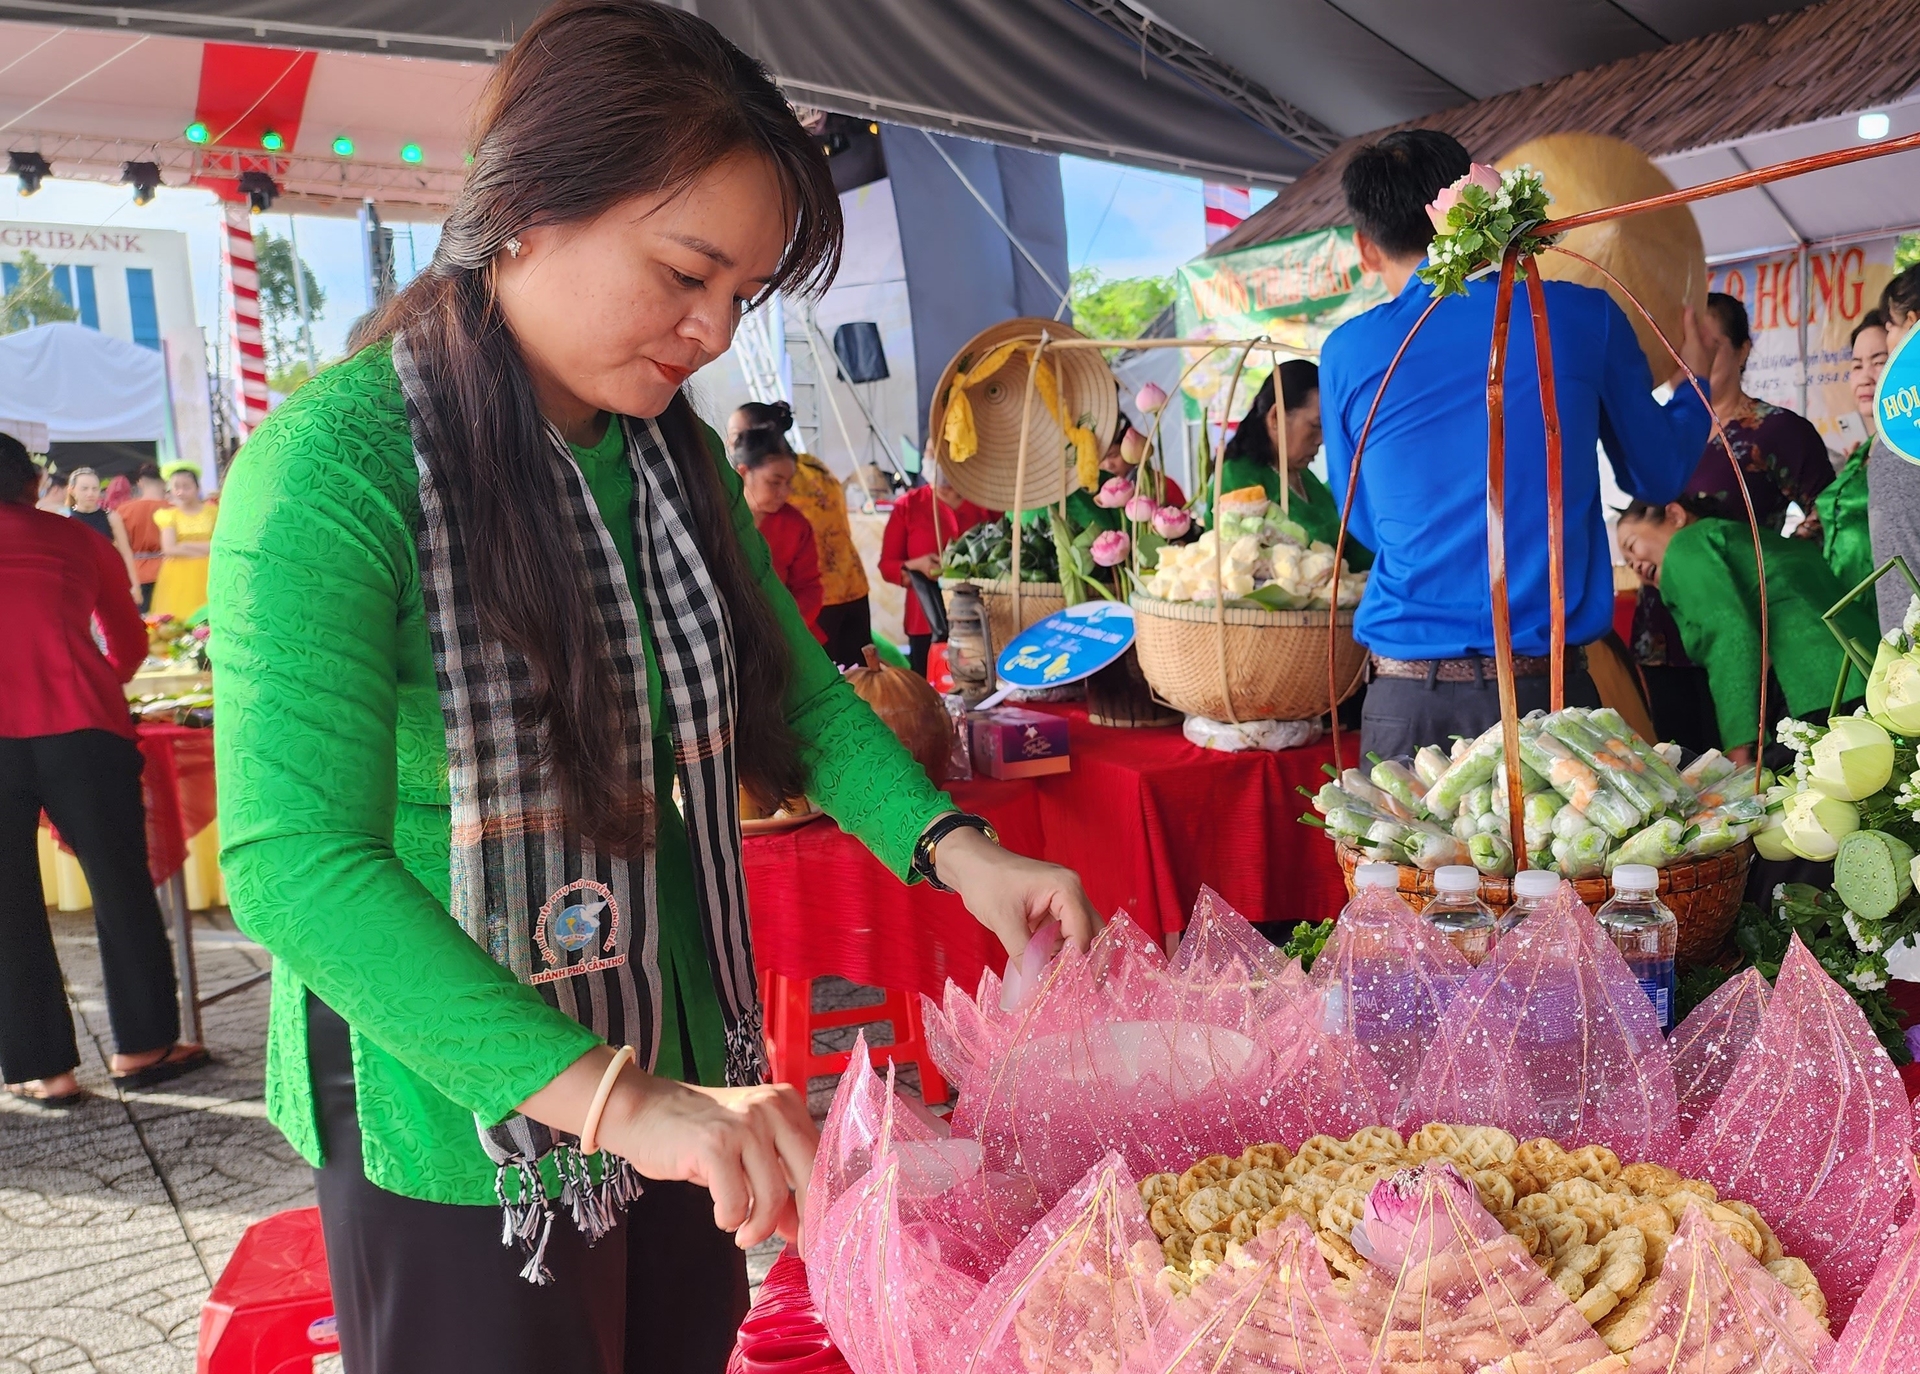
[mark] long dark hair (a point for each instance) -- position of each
(1297, 379)
(599, 101)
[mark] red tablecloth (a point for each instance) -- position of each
(1144, 818)
(177, 788)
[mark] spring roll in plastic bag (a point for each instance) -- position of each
(1707, 770)
(1399, 782)
(1551, 1036)
(1429, 763)
(1472, 768)
(1551, 757)
(1658, 844)
(1491, 853)
(1583, 854)
(1612, 760)
(1614, 813)
(1360, 787)
(1428, 847)
(1813, 1128)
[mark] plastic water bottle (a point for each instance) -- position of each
(1645, 933)
(1379, 1011)
(1533, 888)
(1457, 912)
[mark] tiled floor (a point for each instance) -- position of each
(116, 1218)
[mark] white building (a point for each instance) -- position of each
(137, 285)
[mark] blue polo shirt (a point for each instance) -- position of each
(1422, 503)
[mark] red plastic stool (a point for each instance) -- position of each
(791, 1022)
(272, 1310)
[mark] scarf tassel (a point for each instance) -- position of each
(596, 1207)
(527, 1220)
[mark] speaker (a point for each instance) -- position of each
(857, 346)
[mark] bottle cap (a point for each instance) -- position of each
(1376, 875)
(1456, 878)
(1636, 878)
(1535, 883)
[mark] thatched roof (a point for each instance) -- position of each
(1816, 63)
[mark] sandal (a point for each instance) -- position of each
(47, 1102)
(178, 1060)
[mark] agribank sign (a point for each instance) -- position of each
(1821, 303)
(136, 284)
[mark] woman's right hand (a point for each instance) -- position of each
(752, 1148)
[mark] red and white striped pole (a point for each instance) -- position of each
(243, 318)
(1226, 206)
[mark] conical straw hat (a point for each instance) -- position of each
(1089, 396)
(1657, 256)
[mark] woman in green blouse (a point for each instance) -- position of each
(1703, 566)
(501, 646)
(1292, 427)
(1842, 505)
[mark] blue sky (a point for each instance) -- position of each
(1123, 221)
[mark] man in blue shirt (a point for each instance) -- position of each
(1427, 614)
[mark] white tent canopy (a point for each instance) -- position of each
(85, 386)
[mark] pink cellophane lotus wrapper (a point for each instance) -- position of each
(1113, 1052)
(1551, 1036)
(1270, 1309)
(1883, 1334)
(1715, 1310)
(1077, 1296)
(1382, 982)
(1707, 1045)
(1813, 1128)
(1468, 1296)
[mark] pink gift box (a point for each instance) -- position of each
(1012, 742)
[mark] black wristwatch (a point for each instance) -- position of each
(930, 838)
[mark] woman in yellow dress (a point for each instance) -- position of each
(186, 527)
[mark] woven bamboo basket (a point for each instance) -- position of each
(1276, 661)
(1703, 894)
(1038, 600)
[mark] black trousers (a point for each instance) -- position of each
(918, 647)
(427, 1287)
(88, 782)
(849, 629)
(1401, 714)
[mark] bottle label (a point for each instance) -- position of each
(1659, 990)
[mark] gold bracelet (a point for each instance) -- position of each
(590, 1131)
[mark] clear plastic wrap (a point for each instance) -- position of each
(1715, 1310)
(1883, 1334)
(1468, 1297)
(1814, 1129)
(1269, 1309)
(1553, 1037)
(1383, 982)
(1707, 1045)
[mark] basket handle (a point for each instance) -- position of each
(1497, 557)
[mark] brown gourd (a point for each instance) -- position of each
(911, 709)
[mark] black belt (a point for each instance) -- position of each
(1476, 669)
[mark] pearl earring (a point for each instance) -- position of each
(513, 248)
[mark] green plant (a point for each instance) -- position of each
(33, 299)
(1118, 309)
(280, 300)
(1306, 942)
(1477, 219)
(1849, 949)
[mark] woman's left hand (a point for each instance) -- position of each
(1012, 895)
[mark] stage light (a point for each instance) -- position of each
(411, 152)
(873, 128)
(260, 191)
(31, 168)
(271, 141)
(144, 177)
(1874, 125)
(343, 146)
(198, 132)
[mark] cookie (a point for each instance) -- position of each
(1257, 1189)
(1165, 1217)
(1371, 1138)
(1156, 1186)
(1205, 1173)
(1209, 1209)
(1594, 1162)
(1340, 1211)
(1270, 1155)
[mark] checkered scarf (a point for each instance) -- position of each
(580, 925)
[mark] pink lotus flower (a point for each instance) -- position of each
(1110, 549)
(1150, 398)
(1395, 1208)
(1133, 448)
(1481, 175)
(1170, 522)
(1114, 493)
(1140, 508)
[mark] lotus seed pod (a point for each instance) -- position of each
(1872, 872)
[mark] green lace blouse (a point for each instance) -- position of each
(1842, 508)
(332, 773)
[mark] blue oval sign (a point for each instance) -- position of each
(1068, 645)
(1896, 401)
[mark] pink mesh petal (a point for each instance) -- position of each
(1324, 1082)
(1813, 1128)
(1468, 1297)
(864, 1119)
(1384, 981)
(1077, 1295)
(1706, 1045)
(1883, 1334)
(1271, 1309)
(1553, 1037)
(1715, 1310)
(1226, 971)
